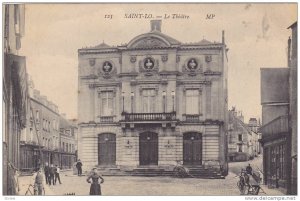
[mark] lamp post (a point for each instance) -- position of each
(123, 96)
(173, 99)
(164, 100)
(132, 95)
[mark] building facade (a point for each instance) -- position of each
(45, 130)
(153, 102)
(14, 96)
(242, 138)
(68, 143)
(279, 121)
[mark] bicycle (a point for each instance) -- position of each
(31, 190)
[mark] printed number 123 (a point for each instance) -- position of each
(108, 16)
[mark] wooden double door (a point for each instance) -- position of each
(107, 149)
(148, 148)
(192, 149)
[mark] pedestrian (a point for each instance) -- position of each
(79, 167)
(95, 188)
(38, 183)
(249, 169)
(57, 177)
(51, 173)
(47, 172)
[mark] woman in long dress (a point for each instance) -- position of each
(95, 188)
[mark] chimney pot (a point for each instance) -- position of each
(155, 25)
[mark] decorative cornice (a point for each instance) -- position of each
(107, 84)
(170, 73)
(129, 74)
(212, 73)
(184, 82)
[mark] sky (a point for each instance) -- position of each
(256, 35)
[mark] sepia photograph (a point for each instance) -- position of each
(149, 99)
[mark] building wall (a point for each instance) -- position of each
(14, 90)
(170, 74)
(293, 107)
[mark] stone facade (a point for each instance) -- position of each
(157, 88)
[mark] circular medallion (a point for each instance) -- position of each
(148, 63)
(107, 67)
(192, 64)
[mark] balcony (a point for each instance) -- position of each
(149, 116)
(277, 127)
(191, 118)
(107, 119)
(134, 118)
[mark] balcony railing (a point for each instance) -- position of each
(149, 116)
(191, 117)
(276, 126)
(106, 119)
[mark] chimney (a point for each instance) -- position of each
(223, 37)
(155, 25)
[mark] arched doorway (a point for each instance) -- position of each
(107, 149)
(192, 148)
(148, 148)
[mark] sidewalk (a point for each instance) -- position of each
(25, 181)
(270, 191)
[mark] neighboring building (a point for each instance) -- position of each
(153, 102)
(242, 141)
(279, 121)
(68, 143)
(14, 97)
(292, 63)
(254, 126)
(44, 132)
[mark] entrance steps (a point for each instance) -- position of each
(194, 172)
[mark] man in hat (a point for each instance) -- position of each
(79, 167)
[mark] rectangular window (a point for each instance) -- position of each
(192, 101)
(148, 100)
(240, 137)
(37, 116)
(240, 148)
(31, 134)
(107, 103)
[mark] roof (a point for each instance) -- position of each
(293, 25)
(101, 46)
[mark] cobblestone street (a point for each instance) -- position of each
(126, 185)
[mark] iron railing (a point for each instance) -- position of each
(149, 116)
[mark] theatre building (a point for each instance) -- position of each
(153, 102)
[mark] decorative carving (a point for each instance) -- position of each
(192, 66)
(208, 58)
(164, 58)
(149, 42)
(132, 59)
(107, 69)
(148, 64)
(92, 62)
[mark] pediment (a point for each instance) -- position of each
(149, 42)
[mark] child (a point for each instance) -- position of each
(57, 174)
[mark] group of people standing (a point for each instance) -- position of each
(52, 174)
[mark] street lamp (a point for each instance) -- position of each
(132, 95)
(173, 99)
(123, 96)
(164, 100)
